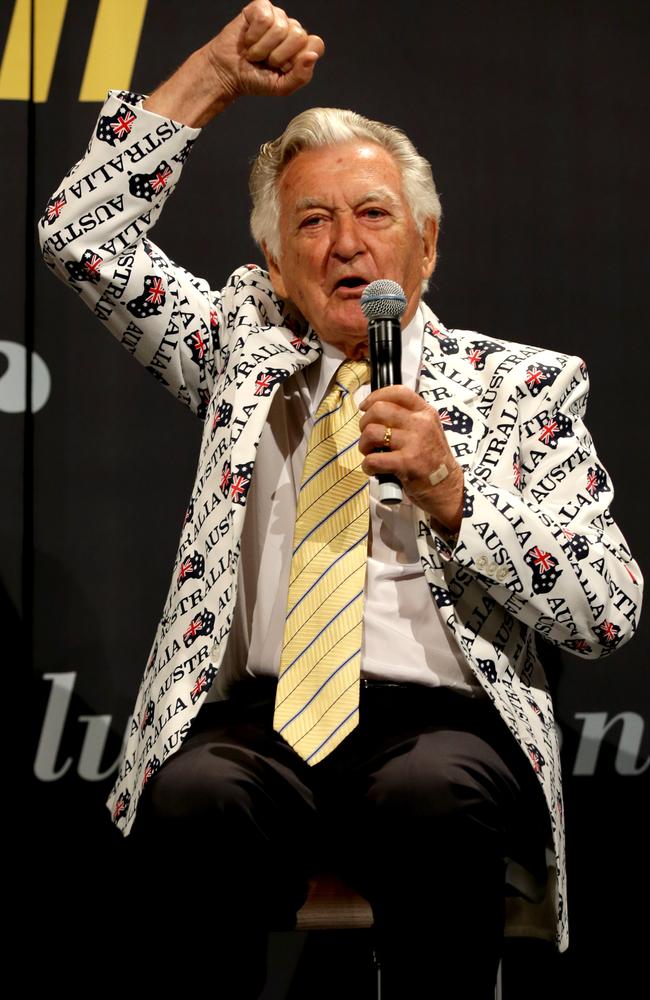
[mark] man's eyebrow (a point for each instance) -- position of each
(377, 194)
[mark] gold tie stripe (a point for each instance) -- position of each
(317, 698)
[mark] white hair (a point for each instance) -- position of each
(318, 127)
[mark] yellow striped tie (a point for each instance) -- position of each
(317, 698)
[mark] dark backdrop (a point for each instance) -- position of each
(534, 117)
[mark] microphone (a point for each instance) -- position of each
(383, 303)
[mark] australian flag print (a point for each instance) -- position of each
(202, 624)
(203, 683)
(555, 428)
(152, 299)
(453, 419)
(192, 568)
(538, 377)
(198, 344)
(148, 186)
(240, 482)
(479, 350)
(117, 127)
(53, 209)
(152, 765)
(267, 379)
(596, 481)
(86, 269)
(544, 567)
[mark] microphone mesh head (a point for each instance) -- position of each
(383, 299)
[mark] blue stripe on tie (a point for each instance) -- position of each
(330, 412)
(329, 462)
(316, 693)
(325, 572)
(331, 514)
(333, 733)
(324, 629)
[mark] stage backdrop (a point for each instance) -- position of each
(532, 115)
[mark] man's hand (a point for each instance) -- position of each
(418, 447)
(261, 51)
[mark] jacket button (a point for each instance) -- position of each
(502, 573)
(481, 562)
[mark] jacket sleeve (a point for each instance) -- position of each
(547, 547)
(94, 236)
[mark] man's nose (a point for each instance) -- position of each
(347, 238)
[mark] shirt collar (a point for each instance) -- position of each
(319, 375)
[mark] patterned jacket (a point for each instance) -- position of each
(538, 552)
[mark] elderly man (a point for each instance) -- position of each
(333, 677)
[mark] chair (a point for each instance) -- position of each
(332, 904)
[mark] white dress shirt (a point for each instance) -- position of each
(404, 638)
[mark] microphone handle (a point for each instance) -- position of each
(385, 346)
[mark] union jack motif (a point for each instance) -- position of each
(151, 767)
(549, 430)
(223, 415)
(112, 128)
(240, 483)
(123, 125)
(544, 560)
(267, 379)
(86, 269)
(191, 568)
(156, 292)
(555, 428)
(226, 477)
(152, 299)
(203, 682)
(479, 350)
(121, 806)
(540, 377)
(544, 568)
(534, 376)
(160, 179)
(200, 625)
(214, 318)
(198, 345)
(608, 632)
(93, 264)
(55, 207)
(516, 468)
(596, 481)
(453, 419)
(299, 344)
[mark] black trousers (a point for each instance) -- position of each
(418, 808)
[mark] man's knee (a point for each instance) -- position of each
(441, 778)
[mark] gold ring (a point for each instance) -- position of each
(388, 433)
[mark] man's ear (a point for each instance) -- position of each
(430, 241)
(275, 273)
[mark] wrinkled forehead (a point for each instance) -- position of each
(348, 170)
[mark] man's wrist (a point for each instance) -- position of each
(194, 95)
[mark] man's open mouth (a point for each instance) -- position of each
(351, 283)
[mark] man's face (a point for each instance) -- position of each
(344, 222)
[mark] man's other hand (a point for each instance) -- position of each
(418, 447)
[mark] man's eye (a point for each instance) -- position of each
(312, 220)
(374, 213)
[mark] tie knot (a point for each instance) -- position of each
(352, 374)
